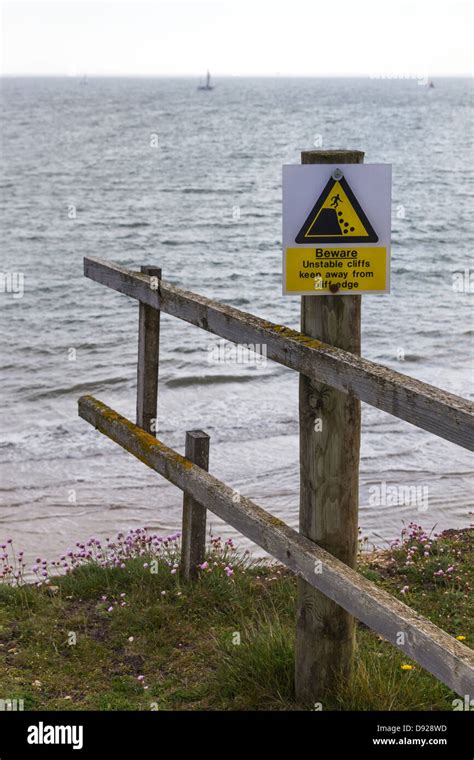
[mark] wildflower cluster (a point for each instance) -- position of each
(220, 557)
(12, 565)
(110, 603)
(111, 553)
(414, 543)
(421, 556)
(154, 550)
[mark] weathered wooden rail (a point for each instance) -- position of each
(444, 414)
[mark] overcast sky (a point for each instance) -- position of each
(294, 37)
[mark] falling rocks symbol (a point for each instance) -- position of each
(337, 217)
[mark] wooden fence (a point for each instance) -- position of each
(427, 407)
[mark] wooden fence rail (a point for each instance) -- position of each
(449, 660)
(444, 414)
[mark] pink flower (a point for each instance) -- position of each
(204, 566)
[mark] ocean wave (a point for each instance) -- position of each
(97, 385)
(180, 382)
(132, 225)
(197, 190)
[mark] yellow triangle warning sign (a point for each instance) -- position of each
(337, 217)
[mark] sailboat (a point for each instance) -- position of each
(208, 85)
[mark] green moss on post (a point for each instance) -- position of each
(193, 538)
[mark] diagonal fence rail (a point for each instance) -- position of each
(448, 659)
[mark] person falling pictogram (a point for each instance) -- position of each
(335, 201)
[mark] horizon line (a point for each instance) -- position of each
(275, 75)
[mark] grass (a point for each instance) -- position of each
(115, 635)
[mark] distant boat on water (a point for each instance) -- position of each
(208, 85)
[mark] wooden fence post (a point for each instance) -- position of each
(148, 360)
(193, 536)
(329, 484)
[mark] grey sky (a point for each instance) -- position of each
(295, 37)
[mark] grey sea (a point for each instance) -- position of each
(153, 171)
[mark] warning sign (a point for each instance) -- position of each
(332, 217)
(337, 217)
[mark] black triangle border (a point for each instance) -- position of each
(372, 235)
